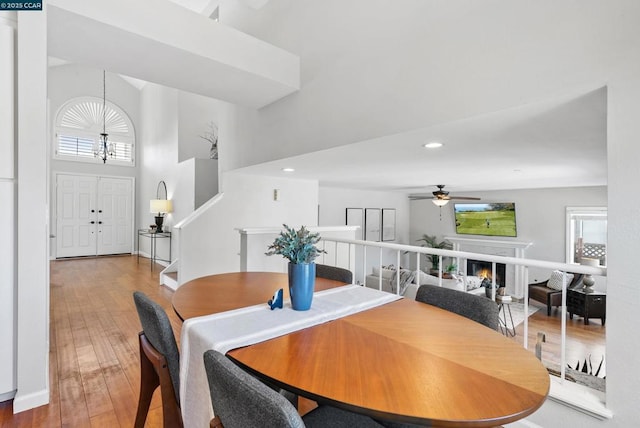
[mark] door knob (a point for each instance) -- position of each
(93, 211)
(99, 222)
(93, 222)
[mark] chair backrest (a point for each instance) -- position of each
(474, 307)
(335, 273)
(241, 401)
(157, 329)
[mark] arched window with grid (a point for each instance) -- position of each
(78, 126)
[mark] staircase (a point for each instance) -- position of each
(169, 276)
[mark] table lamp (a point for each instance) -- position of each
(160, 206)
(588, 281)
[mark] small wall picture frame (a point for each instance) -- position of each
(372, 224)
(355, 217)
(388, 224)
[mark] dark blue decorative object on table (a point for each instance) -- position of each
(276, 300)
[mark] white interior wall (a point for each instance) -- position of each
(623, 247)
(32, 304)
(623, 292)
(8, 213)
(158, 161)
(7, 290)
(7, 97)
(370, 70)
(171, 121)
(210, 243)
(540, 218)
(206, 180)
(333, 204)
(195, 113)
(236, 134)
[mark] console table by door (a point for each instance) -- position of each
(153, 237)
(587, 305)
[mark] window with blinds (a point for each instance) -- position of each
(75, 146)
(79, 124)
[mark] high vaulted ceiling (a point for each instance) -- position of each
(165, 43)
(559, 142)
(553, 143)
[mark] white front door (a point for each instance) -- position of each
(114, 216)
(94, 215)
(75, 216)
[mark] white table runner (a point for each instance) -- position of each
(250, 325)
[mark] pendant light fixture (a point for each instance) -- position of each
(104, 149)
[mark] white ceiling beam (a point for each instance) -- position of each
(161, 42)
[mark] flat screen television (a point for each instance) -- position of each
(493, 219)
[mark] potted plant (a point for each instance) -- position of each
(488, 288)
(299, 247)
(431, 242)
(212, 137)
(450, 269)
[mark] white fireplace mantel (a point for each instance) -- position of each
(518, 247)
(489, 242)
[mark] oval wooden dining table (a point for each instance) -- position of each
(227, 291)
(404, 361)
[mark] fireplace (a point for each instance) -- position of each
(483, 269)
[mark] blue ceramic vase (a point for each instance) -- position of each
(302, 280)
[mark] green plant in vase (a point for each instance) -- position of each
(296, 246)
(450, 269)
(299, 247)
(431, 241)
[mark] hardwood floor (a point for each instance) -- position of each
(582, 340)
(94, 363)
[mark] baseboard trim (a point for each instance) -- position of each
(7, 396)
(30, 401)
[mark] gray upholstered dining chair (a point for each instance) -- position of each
(159, 362)
(334, 273)
(474, 307)
(241, 401)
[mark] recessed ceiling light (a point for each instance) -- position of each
(432, 145)
(288, 170)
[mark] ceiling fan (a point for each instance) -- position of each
(441, 197)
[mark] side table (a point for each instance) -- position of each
(153, 237)
(587, 305)
(506, 324)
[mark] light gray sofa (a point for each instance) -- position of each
(409, 282)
